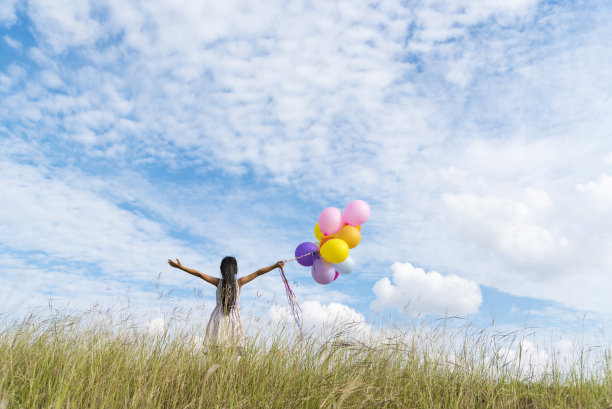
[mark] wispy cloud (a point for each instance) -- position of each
(7, 11)
(12, 42)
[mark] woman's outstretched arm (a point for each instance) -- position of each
(177, 264)
(243, 280)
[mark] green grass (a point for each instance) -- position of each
(76, 362)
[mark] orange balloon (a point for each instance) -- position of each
(350, 234)
(358, 227)
(325, 240)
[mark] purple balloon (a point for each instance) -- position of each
(305, 248)
(322, 271)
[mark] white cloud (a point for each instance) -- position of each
(509, 228)
(422, 293)
(5, 83)
(527, 358)
(442, 28)
(156, 326)
(65, 23)
(59, 215)
(532, 241)
(297, 87)
(12, 42)
(319, 317)
(7, 11)
(28, 283)
(51, 79)
(599, 190)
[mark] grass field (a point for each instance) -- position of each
(74, 361)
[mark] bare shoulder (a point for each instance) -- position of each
(246, 279)
(209, 279)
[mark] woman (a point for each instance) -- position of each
(225, 324)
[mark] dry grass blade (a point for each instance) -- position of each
(210, 371)
(347, 391)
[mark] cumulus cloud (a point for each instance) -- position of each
(156, 326)
(527, 357)
(541, 236)
(510, 228)
(422, 293)
(317, 316)
(600, 190)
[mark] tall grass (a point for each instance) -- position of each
(74, 361)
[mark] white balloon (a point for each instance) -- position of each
(346, 267)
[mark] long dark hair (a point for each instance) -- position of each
(229, 269)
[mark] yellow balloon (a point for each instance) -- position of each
(350, 234)
(318, 232)
(335, 251)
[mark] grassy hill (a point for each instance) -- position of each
(72, 362)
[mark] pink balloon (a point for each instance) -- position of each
(356, 213)
(330, 221)
(337, 274)
(322, 271)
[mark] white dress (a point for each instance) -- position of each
(227, 329)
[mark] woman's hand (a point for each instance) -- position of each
(176, 264)
(279, 264)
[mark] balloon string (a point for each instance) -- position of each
(297, 258)
(296, 310)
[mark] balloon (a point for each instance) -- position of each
(346, 267)
(322, 271)
(358, 227)
(356, 213)
(330, 221)
(305, 248)
(318, 233)
(336, 277)
(325, 240)
(334, 251)
(350, 234)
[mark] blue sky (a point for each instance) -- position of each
(478, 132)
